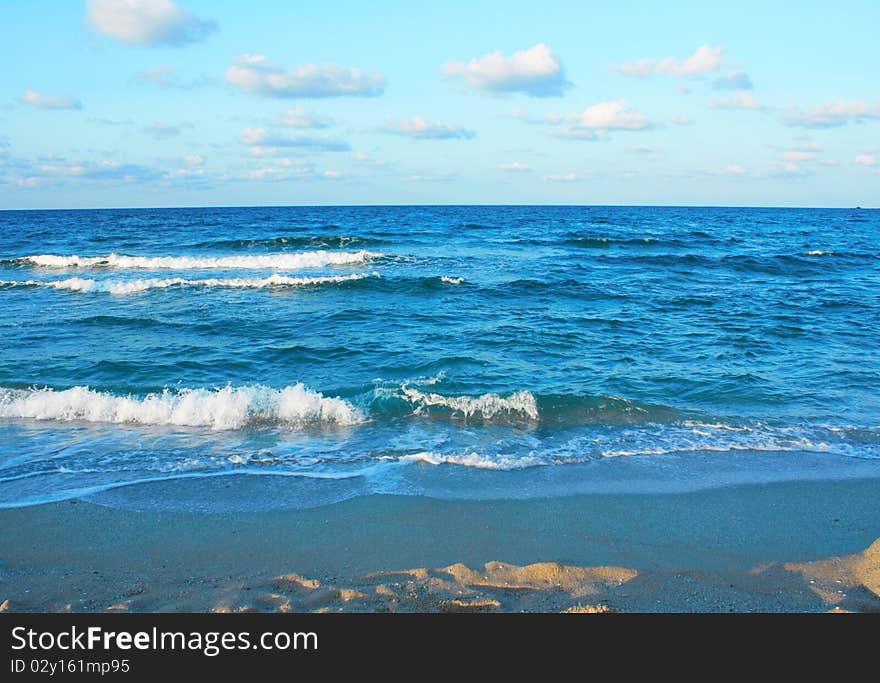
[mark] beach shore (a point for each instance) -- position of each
(791, 546)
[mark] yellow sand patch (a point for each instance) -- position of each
(589, 609)
(850, 571)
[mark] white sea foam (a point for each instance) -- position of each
(226, 408)
(818, 252)
(482, 462)
(308, 259)
(78, 284)
(451, 280)
(486, 406)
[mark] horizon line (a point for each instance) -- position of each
(419, 205)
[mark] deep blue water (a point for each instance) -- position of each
(378, 348)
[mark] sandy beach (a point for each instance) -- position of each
(797, 546)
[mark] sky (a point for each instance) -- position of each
(129, 103)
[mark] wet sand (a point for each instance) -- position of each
(794, 546)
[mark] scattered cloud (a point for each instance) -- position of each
(563, 177)
(255, 75)
(798, 155)
(289, 169)
(192, 160)
(602, 117)
(111, 122)
(298, 117)
(186, 173)
(147, 23)
(735, 80)
(740, 100)
(369, 159)
(266, 142)
(422, 129)
(680, 120)
(866, 160)
(165, 76)
(286, 170)
(832, 114)
(438, 178)
(112, 171)
(34, 99)
(535, 72)
(705, 60)
(787, 169)
(734, 169)
(514, 167)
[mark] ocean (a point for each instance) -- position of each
(450, 351)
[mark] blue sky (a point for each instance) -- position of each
(196, 102)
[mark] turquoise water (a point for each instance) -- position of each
(470, 350)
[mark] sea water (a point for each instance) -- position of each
(497, 351)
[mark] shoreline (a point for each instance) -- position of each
(744, 547)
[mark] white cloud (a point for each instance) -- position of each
(787, 169)
(288, 169)
(147, 22)
(680, 120)
(704, 60)
(601, 117)
(563, 177)
(184, 174)
(255, 75)
(253, 136)
(422, 129)
(38, 101)
(165, 76)
(100, 171)
(734, 169)
(740, 100)
(866, 160)
(798, 155)
(535, 72)
(831, 114)
(263, 143)
(735, 80)
(514, 167)
(298, 117)
(192, 160)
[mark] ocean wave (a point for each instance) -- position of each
(446, 280)
(77, 284)
(487, 406)
(606, 242)
(219, 409)
(474, 460)
(307, 259)
(317, 241)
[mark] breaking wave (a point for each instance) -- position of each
(307, 259)
(77, 284)
(219, 409)
(487, 406)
